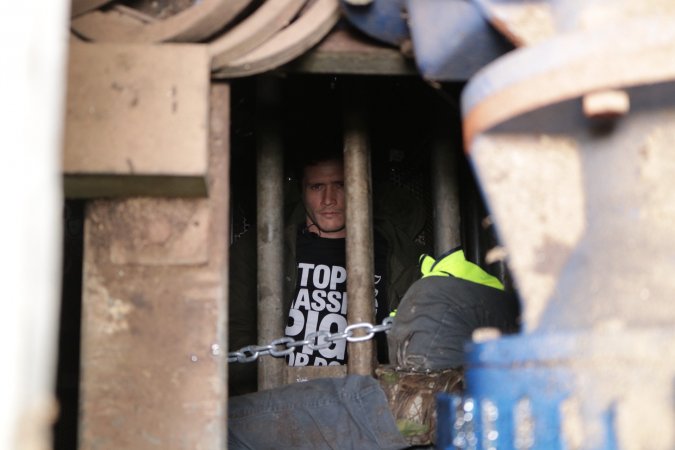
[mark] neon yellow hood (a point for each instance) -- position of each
(455, 264)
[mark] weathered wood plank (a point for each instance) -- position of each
(345, 51)
(136, 120)
(154, 311)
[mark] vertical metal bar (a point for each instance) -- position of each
(444, 190)
(270, 233)
(360, 269)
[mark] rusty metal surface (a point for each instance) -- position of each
(359, 212)
(624, 246)
(270, 234)
(523, 84)
(153, 327)
(571, 140)
(525, 113)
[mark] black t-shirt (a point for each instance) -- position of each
(320, 301)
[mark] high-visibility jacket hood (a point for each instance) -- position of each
(454, 264)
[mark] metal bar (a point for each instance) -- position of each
(445, 193)
(360, 269)
(270, 234)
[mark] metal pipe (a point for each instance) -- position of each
(359, 252)
(270, 234)
(444, 192)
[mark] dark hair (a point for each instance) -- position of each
(318, 157)
(312, 150)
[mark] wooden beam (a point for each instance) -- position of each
(346, 51)
(154, 314)
(136, 120)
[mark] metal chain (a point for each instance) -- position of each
(281, 347)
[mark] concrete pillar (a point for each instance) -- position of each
(155, 313)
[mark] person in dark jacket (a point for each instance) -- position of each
(314, 294)
(454, 297)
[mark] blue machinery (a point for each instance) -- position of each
(569, 121)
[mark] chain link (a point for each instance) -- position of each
(317, 340)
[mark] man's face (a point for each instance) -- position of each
(324, 197)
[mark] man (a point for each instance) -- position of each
(315, 296)
(320, 299)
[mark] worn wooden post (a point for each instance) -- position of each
(154, 314)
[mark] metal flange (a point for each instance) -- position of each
(623, 54)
